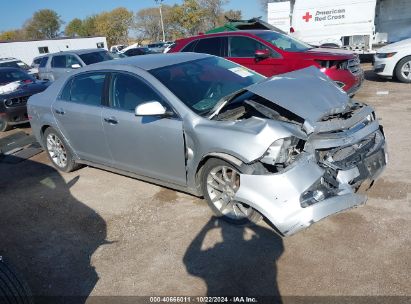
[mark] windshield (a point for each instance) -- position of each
(201, 84)
(90, 58)
(284, 42)
(13, 75)
(15, 64)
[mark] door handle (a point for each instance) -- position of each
(111, 120)
(59, 111)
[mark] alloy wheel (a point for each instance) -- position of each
(57, 150)
(406, 70)
(222, 185)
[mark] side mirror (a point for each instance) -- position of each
(75, 66)
(261, 54)
(151, 108)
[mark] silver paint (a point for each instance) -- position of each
(170, 151)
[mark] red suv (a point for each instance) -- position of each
(271, 53)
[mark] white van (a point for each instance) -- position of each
(358, 25)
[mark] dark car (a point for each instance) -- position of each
(271, 53)
(16, 86)
(137, 51)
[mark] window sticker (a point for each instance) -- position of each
(241, 72)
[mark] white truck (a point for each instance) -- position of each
(357, 25)
(26, 51)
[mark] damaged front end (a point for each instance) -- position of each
(308, 179)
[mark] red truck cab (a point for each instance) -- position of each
(270, 53)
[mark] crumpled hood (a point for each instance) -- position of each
(308, 93)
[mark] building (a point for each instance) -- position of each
(27, 50)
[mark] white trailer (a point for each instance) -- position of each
(27, 50)
(358, 25)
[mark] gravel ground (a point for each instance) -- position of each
(92, 232)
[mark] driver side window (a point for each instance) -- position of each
(127, 92)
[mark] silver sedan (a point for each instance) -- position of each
(292, 148)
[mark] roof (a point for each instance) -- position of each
(153, 61)
(78, 52)
(57, 38)
(228, 33)
(236, 25)
(8, 59)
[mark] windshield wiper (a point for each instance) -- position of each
(224, 102)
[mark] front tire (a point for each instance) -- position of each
(4, 125)
(403, 70)
(58, 151)
(220, 181)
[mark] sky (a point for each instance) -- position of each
(15, 12)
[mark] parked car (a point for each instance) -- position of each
(36, 62)
(157, 47)
(53, 66)
(16, 86)
(210, 127)
(16, 63)
(137, 51)
(394, 60)
(117, 48)
(35, 65)
(169, 47)
(272, 53)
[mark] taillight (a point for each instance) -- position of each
(292, 30)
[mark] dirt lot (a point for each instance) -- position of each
(92, 232)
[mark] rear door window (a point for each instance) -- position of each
(212, 46)
(64, 61)
(65, 93)
(94, 57)
(59, 61)
(87, 88)
(190, 46)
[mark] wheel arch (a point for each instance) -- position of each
(218, 155)
(398, 62)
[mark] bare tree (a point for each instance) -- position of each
(213, 10)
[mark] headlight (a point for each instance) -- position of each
(385, 55)
(283, 151)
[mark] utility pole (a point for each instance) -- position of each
(160, 2)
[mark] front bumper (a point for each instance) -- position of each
(384, 66)
(346, 80)
(279, 196)
(14, 115)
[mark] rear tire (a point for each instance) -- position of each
(13, 289)
(403, 70)
(58, 151)
(219, 182)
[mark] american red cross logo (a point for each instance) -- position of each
(307, 17)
